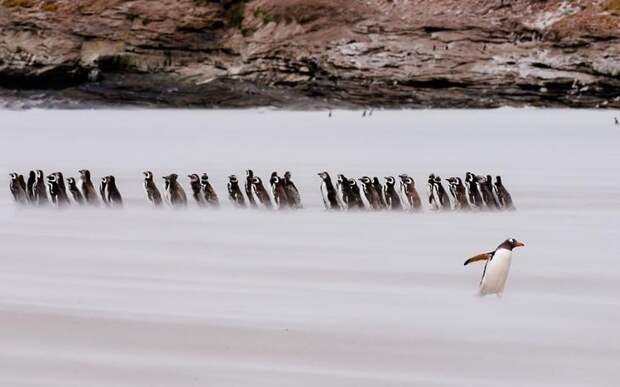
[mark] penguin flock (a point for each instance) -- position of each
(55, 190)
(475, 192)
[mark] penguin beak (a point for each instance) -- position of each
(519, 244)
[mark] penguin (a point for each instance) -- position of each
(372, 196)
(88, 189)
(109, 192)
(292, 193)
(442, 195)
(234, 192)
(379, 189)
(496, 268)
(17, 190)
(473, 194)
(39, 189)
(433, 200)
(494, 200)
(260, 193)
(30, 194)
(355, 196)
(53, 191)
(194, 183)
(457, 189)
(63, 198)
(616, 121)
(249, 176)
(278, 191)
(343, 190)
(75, 191)
(173, 192)
(486, 191)
(153, 195)
(504, 198)
(392, 200)
(208, 192)
(409, 192)
(328, 192)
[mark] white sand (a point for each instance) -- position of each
(139, 297)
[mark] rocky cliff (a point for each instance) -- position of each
(311, 53)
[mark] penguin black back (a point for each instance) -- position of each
(234, 191)
(379, 189)
(150, 188)
(505, 199)
(473, 193)
(40, 191)
(75, 191)
(409, 192)
(112, 195)
(355, 201)
(372, 197)
(196, 187)
(260, 192)
(30, 191)
(328, 192)
(278, 191)
(444, 200)
(174, 193)
(457, 189)
(88, 189)
(292, 193)
(249, 176)
(392, 200)
(17, 190)
(209, 194)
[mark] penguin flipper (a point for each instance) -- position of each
(479, 257)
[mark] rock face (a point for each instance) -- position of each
(311, 53)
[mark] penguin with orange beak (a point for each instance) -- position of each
(496, 268)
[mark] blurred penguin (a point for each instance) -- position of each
(30, 194)
(505, 200)
(249, 177)
(173, 192)
(88, 189)
(208, 192)
(153, 195)
(75, 191)
(234, 192)
(392, 200)
(328, 192)
(473, 193)
(260, 193)
(40, 191)
(196, 187)
(458, 192)
(371, 194)
(278, 191)
(292, 193)
(379, 189)
(409, 192)
(17, 190)
(110, 193)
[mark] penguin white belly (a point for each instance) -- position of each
(324, 194)
(496, 273)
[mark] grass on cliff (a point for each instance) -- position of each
(612, 6)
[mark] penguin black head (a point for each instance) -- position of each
(498, 180)
(287, 175)
(232, 178)
(451, 180)
(52, 178)
(193, 177)
(39, 174)
(469, 177)
(71, 182)
(204, 178)
(389, 180)
(351, 182)
(375, 180)
(256, 180)
(341, 178)
(104, 179)
(84, 173)
(148, 175)
(324, 175)
(111, 179)
(171, 177)
(406, 179)
(13, 175)
(365, 180)
(31, 175)
(510, 244)
(249, 173)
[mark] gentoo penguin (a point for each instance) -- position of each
(208, 192)
(504, 198)
(249, 176)
(32, 178)
(457, 189)
(150, 188)
(392, 200)
(260, 193)
(328, 192)
(40, 192)
(75, 191)
(343, 190)
(109, 192)
(496, 268)
(63, 198)
(234, 192)
(17, 190)
(173, 192)
(355, 201)
(194, 184)
(278, 191)
(88, 189)
(372, 196)
(473, 193)
(292, 193)
(379, 189)
(486, 191)
(407, 188)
